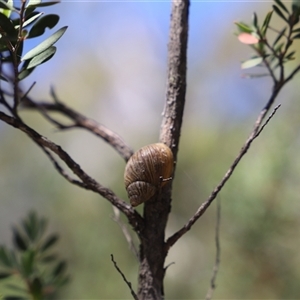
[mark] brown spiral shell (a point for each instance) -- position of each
(147, 171)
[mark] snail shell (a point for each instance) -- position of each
(147, 171)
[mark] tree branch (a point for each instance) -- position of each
(80, 121)
(176, 82)
(87, 182)
(218, 253)
(135, 297)
(204, 206)
(126, 233)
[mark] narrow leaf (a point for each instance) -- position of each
(281, 33)
(28, 261)
(36, 288)
(30, 20)
(297, 36)
(45, 44)
(243, 27)
(279, 13)
(60, 268)
(3, 78)
(251, 62)
(25, 72)
(33, 3)
(279, 3)
(278, 48)
(254, 20)
(51, 240)
(290, 56)
(266, 22)
(7, 258)
(42, 57)
(20, 240)
(43, 4)
(7, 5)
(296, 6)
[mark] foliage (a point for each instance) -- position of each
(41, 271)
(272, 54)
(30, 259)
(28, 23)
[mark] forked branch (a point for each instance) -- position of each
(78, 121)
(87, 181)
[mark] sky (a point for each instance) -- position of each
(124, 43)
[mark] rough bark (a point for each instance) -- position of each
(153, 250)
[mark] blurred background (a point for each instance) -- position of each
(111, 66)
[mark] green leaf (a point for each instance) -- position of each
(294, 18)
(31, 224)
(266, 22)
(36, 288)
(45, 44)
(7, 5)
(7, 257)
(280, 35)
(3, 78)
(20, 241)
(278, 48)
(25, 72)
(7, 12)
(41, 4)
(8, 27)
(40, 26)
(290, 56)
(50, 241)
(296, 30)
(27, 263)
(296, 6)
(279, 3)
(254, 20)
(253, 62)
(279, 13)
(59, 269)
(30, 20)
(297, 36)
(243, 27)
(42, 57)
(33, 3)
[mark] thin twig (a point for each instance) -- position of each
(218, 253)
(124, 278)
(201, 210)
(61, 170)
(89, 183)
(126, 233)
(79, 121)
(268, 120)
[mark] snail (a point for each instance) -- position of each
(147, 170)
